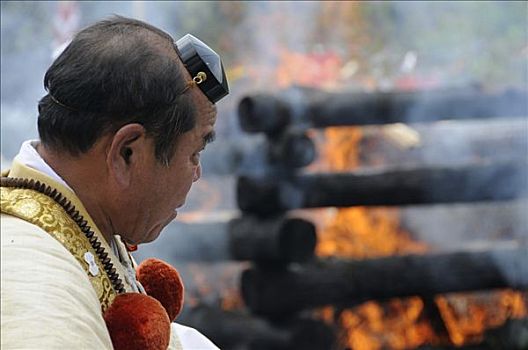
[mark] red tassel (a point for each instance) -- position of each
(137, 322)
(163, 282)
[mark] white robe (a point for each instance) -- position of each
(47, 301)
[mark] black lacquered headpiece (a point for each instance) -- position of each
(205, 67)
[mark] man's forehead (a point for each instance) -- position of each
(206, 109)
(209, 107)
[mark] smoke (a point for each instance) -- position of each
(414, 46)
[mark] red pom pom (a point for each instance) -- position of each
(163, 282)
(137, 321)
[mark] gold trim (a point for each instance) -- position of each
(44, 212)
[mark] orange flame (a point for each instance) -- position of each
(362, 232)
(468, 316)
(337, 149)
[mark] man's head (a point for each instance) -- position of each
(119, 97)
(115, 72)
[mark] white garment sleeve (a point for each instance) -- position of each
(191, 339)
(48, 301)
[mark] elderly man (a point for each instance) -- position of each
(127, 114)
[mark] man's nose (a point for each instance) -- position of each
(197, 173)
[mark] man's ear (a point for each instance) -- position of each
(125, 152)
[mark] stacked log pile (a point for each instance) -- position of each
(285, 280)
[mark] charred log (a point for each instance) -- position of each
(269, 113)
(253, 154)
(411, 107)
(282, 291)
(293, 149)
(475, 183)
(263, 113)
(232, 330)
(276, 239)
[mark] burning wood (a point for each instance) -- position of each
(484, 182)
(274, 292)
(318, 109)
(231, 330)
